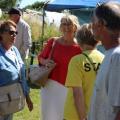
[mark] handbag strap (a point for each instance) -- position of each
(52, 49)
(90, 60)
(10, 61)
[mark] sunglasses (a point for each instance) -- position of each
(11, 32)
(66, 24)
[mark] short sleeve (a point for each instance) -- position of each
(45, 52)
(74, 75)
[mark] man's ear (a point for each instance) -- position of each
(101, 23)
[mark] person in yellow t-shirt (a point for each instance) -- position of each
(81, 75)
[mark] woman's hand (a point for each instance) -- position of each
(50, 64)
(29, 103)
(46, 62)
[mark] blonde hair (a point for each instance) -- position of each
(72, 19)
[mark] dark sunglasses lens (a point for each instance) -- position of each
(13, 32)
(67, 24)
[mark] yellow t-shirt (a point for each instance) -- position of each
(81, 74)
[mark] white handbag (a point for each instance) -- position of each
(11, 99)
(39, 74)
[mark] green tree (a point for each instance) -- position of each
(6, 4)
(36, 6)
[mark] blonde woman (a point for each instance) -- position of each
(54, 93)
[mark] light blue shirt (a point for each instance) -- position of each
(101, 48)
(9, 70)
(106, 97)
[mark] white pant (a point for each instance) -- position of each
(53, 97)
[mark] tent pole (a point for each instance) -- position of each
(43, 22)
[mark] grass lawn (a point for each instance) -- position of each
(35, 114)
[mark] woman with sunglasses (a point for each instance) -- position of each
(54, 93)
(11, 65)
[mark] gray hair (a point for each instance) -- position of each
(109, 14)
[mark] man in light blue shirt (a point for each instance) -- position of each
(105, 103)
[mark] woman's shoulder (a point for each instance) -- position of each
(50, 40)
(77, 46)
(15, 48)
(16, 51)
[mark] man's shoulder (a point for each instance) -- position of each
(116, 51)
(23, 23)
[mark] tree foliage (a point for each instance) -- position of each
(36, 6)
(6, 4)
